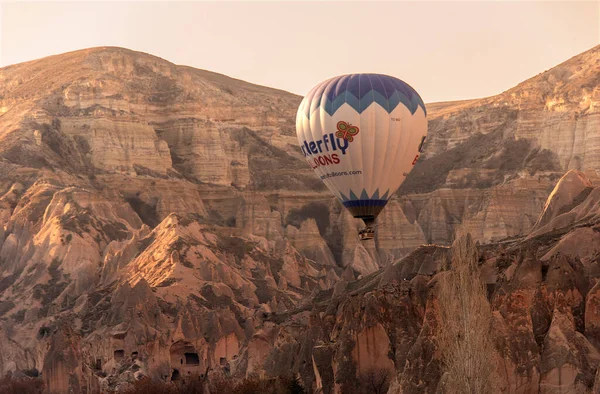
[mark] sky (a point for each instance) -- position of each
(446, 50)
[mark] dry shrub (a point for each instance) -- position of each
(24, 385)
(251, 385)
(375, 381)
(191, 386)
(280, 385)
(464, 334)
(149, 386)
(222, 385)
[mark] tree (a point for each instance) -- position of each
(464, 333)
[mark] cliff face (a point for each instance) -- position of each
(506, 151)
(159, 220)
(129, 120)
(172, 139)
(543, 294)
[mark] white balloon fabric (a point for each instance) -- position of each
(362, 134)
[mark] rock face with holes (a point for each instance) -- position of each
(157, 220)
(185, 290)
(542, 289)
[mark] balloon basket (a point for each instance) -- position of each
(366, 233)
(369, 231)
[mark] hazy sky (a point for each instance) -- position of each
(446, 50)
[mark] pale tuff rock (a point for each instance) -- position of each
(567, 190)
(254, 216)
(500, 219)
(547, 123)
(354, 255)
(577, 207)
(360, 260)
(518, 368)
(180, 202)
(177, 260)
(371, 350)
(309, 242)
(207, 151)
(582, 243)
(592, 313)
(157, 220)
(118, 145)
(9, 200)
(567, 355)
(397, 235)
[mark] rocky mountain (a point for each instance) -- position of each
(543, 290)
(485, 157)
(158, 220)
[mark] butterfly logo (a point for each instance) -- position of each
(346, 131)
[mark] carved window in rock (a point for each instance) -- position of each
(192, 359)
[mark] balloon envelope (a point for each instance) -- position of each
(362, 134)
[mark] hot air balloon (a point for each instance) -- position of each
(362, 134)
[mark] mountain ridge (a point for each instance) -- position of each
(98, 49)
(130, 52)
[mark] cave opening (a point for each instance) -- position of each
(119, 354)
(175, 375)
(192, 359)
(185, 358)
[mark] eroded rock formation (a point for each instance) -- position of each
(157, 220)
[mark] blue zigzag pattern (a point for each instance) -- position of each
(360, 91)
(364, 196)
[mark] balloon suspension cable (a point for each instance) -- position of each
(369, 231)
